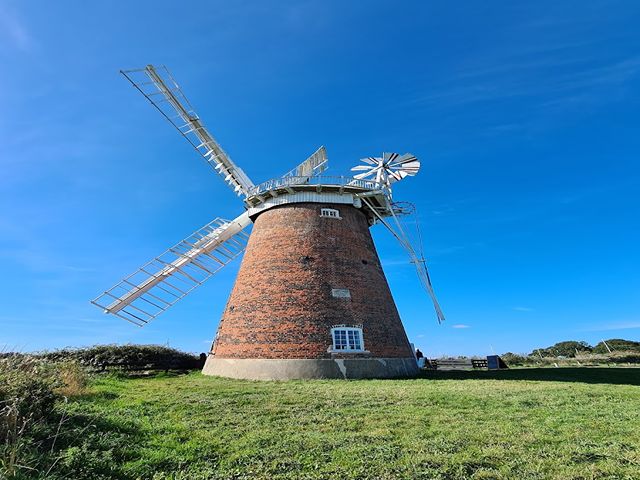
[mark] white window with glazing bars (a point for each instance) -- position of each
(347, 339)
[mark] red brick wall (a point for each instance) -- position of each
(281, 305)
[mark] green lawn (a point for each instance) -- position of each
(524, 424)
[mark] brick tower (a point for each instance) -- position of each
(311, 301)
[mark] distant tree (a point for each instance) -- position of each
(538, 352)
(618, 345)
(563, 349)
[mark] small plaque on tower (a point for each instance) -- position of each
(341, 292)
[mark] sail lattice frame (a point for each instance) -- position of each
(157, 285)
(160, 88)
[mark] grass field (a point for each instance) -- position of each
(524, 424)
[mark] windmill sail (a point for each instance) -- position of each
(159, 87)
(314, 165)
(160, 283)
(419, 262)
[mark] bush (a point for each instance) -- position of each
(617, 345)
(29, 389)
(28, 383)
(515, 359)
(26, 405)
(621, 357)
(127, 358)
(563, 349)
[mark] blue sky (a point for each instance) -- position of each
(524, 114)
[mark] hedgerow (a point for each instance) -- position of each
(126, 357)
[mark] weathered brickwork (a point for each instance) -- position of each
(282, 306)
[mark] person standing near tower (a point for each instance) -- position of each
(419, 358)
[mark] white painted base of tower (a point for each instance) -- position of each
(291, 369)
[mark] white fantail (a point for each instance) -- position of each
(389, 168)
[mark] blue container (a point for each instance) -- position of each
(493, 362)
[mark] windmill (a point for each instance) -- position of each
(311, 299)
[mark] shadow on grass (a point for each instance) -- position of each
(615, 376)
(125, 374)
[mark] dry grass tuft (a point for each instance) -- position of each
(72, 378)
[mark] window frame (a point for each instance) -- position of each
(357, 335)
(330, 213)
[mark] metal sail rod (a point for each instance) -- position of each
(210, 244)
(190, 126)
(420, 264)
(421, 268)
(214, 152)
(158, 271)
